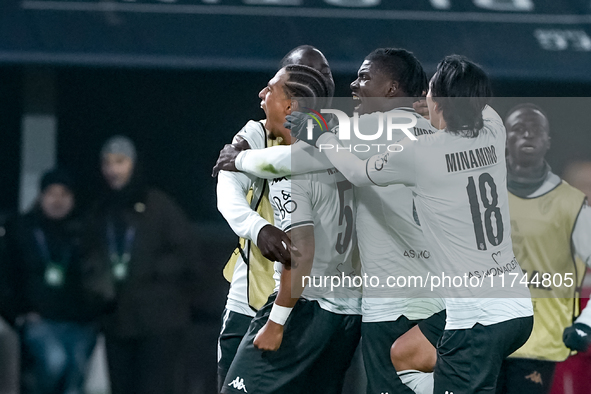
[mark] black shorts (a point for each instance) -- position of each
(234, 327)
(469, 360)
(522, 375)
(315, 353)
(432, 327)
(377, 339)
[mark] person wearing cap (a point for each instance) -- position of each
(52, 313)
(143, 262)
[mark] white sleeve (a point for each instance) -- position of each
(488, 113)
(394, 167)
(232, 189)
(283, 160)
(585, 316)
(582, 235)
(352, 167)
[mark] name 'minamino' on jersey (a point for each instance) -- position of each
(473, 158)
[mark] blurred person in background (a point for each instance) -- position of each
(47, 302)
(568, 377)
(141, 260)
(550, 227)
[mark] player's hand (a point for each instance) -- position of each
(309, 132)
(421, 108)
(269, 337)
(227, 159)
(275, 245)
(577, 337)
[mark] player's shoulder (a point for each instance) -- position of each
(254, 133)
(571, 191)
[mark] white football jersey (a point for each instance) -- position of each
(391, 242)
(325, 200)
(462, 204)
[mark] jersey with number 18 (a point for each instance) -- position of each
(462, 204)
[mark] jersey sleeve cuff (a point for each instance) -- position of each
(256, 229)
(298, 224)
(585, 316)
(239, 159)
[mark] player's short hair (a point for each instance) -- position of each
(287, 60)
(461, 89)
(402, 66)
(307, 84)
(526, 106)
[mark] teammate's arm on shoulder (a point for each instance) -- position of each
(395, 167)
(352, 167)
(270, 336)
(267, 163)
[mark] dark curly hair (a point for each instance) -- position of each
(402, 66)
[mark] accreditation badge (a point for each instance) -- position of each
(120, 266)
(120, 271)
(54, 275)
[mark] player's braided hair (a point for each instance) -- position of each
(461, 89)
(307, 83)
(401, 66)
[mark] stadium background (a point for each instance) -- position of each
(180, 77)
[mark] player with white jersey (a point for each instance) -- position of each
(303, 340)
(242, 199)
(390, 238)
(458, 176)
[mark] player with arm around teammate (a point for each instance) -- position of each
(243, 201)
(388, 82)
(462, 204)
(294, 341)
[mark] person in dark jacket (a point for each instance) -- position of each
(142, 264)
(48, 303)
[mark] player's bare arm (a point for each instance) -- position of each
(269, 337)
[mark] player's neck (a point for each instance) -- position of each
(527, 170)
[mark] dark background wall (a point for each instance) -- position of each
(10, 117)
(181, 119)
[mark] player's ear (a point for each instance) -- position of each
(294, 106)
(393, 90)
(436, 107)
(548, 142)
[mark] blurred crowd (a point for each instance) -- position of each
(126, 267)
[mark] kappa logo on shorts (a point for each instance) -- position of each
(581, 333)
(535, 377)
(238, 384)
(449, 392)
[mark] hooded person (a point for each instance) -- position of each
(53, 315)
(141, 254)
